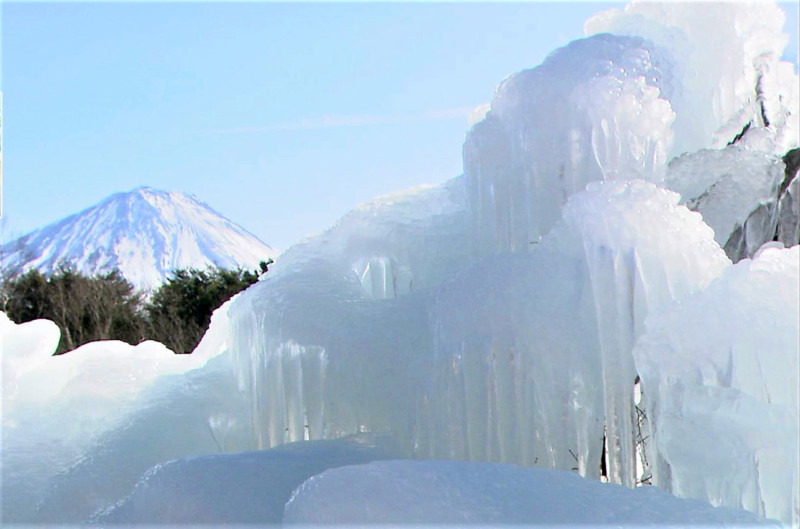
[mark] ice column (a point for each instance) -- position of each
(721, 370)
(518, 358)
(595, 109)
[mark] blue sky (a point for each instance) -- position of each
(280, 116)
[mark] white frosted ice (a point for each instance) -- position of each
(721, 370)
(593, 110)
(725, 78)
(458, 377)
(240, 488)
(23, 348)
(88, 412)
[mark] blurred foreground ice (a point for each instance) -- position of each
(451, 492)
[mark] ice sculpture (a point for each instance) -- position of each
(737, 191)
(721, 369)
(494, 318)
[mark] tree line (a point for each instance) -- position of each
(107, 307)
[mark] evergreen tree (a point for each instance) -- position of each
(180, 310)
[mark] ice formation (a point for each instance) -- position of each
(523, 352)
(725, 78)
(722, 372)
(788, 229)
(106, 405)
(458, 378)
(494, 317)
(593, 110)
(737, 191)
(449, 492)
(240, 488)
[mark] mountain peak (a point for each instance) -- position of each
(146, 233)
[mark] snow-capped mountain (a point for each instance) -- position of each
(145, 233)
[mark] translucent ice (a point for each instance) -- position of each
(519, 359)
(721, 370)
(594, 110)
(727, 77)
(493, 318)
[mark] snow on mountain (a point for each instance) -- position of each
(145, 233)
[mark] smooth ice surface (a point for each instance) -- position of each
(448, 492)
(145, 233)
(240, 488)
(23, 348)
(721, 371)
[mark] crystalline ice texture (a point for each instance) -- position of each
(736, 190)
(595, 109)
(721, 370)
(726, 78)
(515, 358)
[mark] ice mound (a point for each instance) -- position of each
(447, 492)
(737, 192)
(518, 359)
(595, 109)
(730, 78)
(241, 488)
(23, 348)
(721, 369)
(75, 425)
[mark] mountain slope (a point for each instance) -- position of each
(145, 233)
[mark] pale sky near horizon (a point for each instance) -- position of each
(280, 116)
